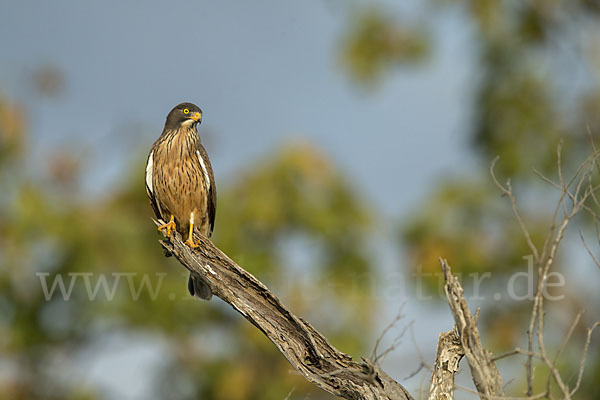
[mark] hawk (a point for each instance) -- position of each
(180, 182)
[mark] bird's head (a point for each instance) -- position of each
(184, 115)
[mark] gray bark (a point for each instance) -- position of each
(449, 354)
(485, 375)
(313, 356)
(306, 349)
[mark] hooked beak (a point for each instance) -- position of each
(196, 117)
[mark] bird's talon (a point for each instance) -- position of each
(190, 242)
(169, 226)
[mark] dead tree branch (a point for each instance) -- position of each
(574, 195)
(485, 375)
(449, 354)
(307, 350)
(319, 362)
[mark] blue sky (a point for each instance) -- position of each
(265, 73)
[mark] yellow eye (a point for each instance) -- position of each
(186, 111)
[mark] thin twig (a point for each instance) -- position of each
(581, 192)
(546, 179)
(395, 343)
(508, 192)
(415, 372)
(289, 395)
(374, 356)
(596, 261)
(517, 351)
(583, 357)
(418, 350)
(567, 337)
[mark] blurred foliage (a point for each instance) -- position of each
(468, 222)
(374, 44)
(295, 192)
(524, 105)
(12, 131)
(49, 80)
(329, 213)
(528, 54)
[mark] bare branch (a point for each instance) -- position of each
(578, 203)
(567, 337)
(507, 191)
(306, 349)
(449, 354)
(374, 356)
(485, 375)
(416, 371)
(423, 364)
(393, 346)
(421, 358)
(596, 261)
(577, 191)
(559, 164)
(583, 357)
(546, 179)
(289, 395)
(516, 351)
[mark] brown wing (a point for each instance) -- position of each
(211, 206)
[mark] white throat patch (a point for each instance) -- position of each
(187, 123)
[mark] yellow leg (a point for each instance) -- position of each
(190, 240)
(169, 226)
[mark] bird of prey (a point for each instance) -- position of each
(180, 182)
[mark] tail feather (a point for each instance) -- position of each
(198, 288)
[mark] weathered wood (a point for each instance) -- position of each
(306, 349)
(485, 375)
(449, 354)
